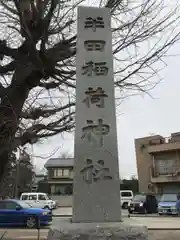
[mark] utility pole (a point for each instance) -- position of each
(18, 172)
(17, 178)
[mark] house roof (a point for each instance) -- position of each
(59, 162)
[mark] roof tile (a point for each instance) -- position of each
(59, 162)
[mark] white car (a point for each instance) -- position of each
(126, 198)
(55, 204)
(37, 200)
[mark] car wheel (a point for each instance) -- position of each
(125, 205)
(46, 207)
(31, 222)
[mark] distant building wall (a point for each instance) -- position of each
(158, 163)
(63, 201)
(144, 162)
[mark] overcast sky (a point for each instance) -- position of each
(137, 117)
(141, 116)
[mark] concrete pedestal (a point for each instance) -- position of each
(93, 231)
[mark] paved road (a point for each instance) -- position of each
(159, 222)
(68, 211)
(62, 211)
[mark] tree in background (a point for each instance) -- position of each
(7, 185)
(24, 172)
(37, 54)
(18, 177)
(130, 184)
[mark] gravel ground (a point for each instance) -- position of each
(164, 235)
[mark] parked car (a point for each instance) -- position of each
(38, 200)
(19, 213)
(126, 198)
(167, 204)
(55, 203)
(143, 203)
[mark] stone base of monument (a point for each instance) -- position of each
(125, 230)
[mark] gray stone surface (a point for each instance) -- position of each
(92, 231)
(96, 193)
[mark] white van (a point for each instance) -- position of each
(37, 200)
(126, 197)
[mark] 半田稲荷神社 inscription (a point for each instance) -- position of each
(95, 172)
(94, 45)
(96, 193)
(98, 68)
(95, 131)
(94, 23)
(95, 96)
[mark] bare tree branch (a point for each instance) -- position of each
(5, 50)
(7, 68)
(33, 133)
(45, 113)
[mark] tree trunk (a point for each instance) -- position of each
(10, 111)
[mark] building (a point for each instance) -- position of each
(158, 163)
(59, 176)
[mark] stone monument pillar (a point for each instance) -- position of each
(96, 187)
(96, 191)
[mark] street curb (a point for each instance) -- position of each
(26, 238)
(61, 215)
(131, 216)
(64, 207)
(163, 229)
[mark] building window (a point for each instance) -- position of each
(52, 189)
(66, 172)
(63, 189)
(165, 167)
(61, 173)
(58, 173)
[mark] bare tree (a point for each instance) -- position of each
(7, 181)
(37, 54)
(18, 176)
